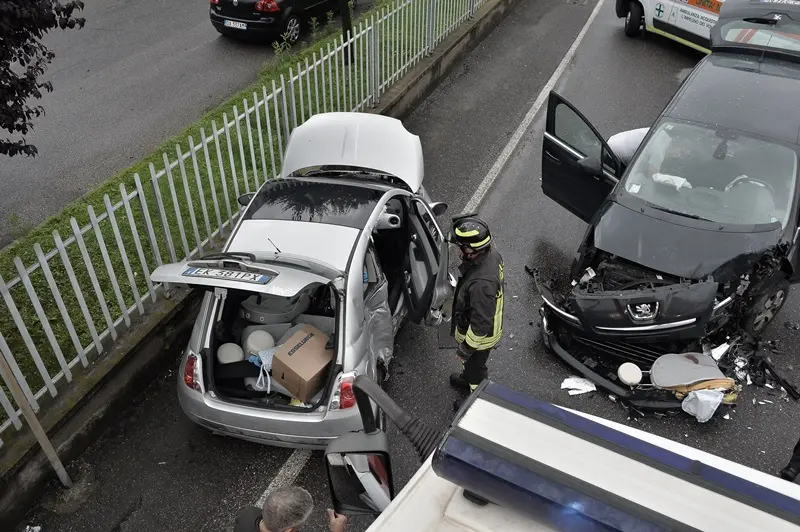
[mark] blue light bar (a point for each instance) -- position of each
(522, 453)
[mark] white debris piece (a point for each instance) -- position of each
(749, 380)
(33, 528)
(702, 403)
(578, 385)
(768, 401)
(768, 385)
(720, 350)
(726, 416)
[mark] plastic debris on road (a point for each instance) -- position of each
(578, 385)
(702, 404)
(32, 528)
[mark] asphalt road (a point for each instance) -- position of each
(156, 471)
(135, 75)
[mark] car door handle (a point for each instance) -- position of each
(552, 157)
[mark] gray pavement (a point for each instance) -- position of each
(618, 83)
(135, 75)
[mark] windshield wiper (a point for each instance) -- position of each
(679, 213)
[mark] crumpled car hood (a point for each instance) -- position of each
(679, 250)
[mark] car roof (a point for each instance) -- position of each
(743, 92)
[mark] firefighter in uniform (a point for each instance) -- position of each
(477, 323)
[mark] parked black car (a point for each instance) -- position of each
(695, 241)
(268, 19)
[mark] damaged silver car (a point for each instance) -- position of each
(312, 285)
(691, 247)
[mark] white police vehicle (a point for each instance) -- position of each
(688, 22)
(509, 462)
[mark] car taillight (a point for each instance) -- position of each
(267, 6)
(343, 395)
(347, 395)
(191, 372)
(214, 2)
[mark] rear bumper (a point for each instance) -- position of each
(641, 400)
(266, 27)
(303, 430)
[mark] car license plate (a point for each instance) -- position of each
(228, 275)
(233, 24)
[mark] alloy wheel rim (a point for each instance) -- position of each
(771, 307)
(293, 29)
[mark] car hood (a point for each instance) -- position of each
(680, 249)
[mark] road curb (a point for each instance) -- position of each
(140, 355)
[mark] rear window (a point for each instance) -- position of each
(784, 35)
(325, 203)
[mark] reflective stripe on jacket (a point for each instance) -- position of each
(478, 304)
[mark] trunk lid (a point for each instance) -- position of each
(241, 9)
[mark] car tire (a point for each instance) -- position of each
(634, 19)
(765, 308)
(291, 30)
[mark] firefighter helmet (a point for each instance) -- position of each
(472, 232)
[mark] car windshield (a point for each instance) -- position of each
(785, 36)
(722, 176)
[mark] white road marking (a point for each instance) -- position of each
(299, 458)
(287, 475)
(501, 161)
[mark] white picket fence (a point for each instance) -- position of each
(67, 306)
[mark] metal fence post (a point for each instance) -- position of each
(373, 61)
(431, 25)
(33, 422)
(472, 8)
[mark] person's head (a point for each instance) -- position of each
(472, 236)
(287, 509)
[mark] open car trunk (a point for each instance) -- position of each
(270, 339)
(258, 325)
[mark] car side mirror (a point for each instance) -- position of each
(592, 166)
(244, 199)
(438, 208)
(359, 473)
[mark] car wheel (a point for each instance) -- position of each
(291, 30)
(634, 20)
(765, 308)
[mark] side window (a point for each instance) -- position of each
(573, 131)
(432, 231)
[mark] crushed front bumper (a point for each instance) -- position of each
(650, 400)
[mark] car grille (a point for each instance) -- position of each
(642, 355)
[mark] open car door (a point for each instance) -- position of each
(579, 170)
(426, 283)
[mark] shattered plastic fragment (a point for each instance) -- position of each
(792, 325)
(768, 401)
(768, 385)
(726, 416)
(720, 350)
(578, 385)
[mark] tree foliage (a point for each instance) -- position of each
(24, 59)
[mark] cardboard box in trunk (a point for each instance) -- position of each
(301, 363)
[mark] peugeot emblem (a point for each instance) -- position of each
(235, 3)
(643, 311)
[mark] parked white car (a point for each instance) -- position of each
(346, 240)
(688, 22)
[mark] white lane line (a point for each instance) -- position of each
(501, 161)
(288, 473)
(298, 458)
